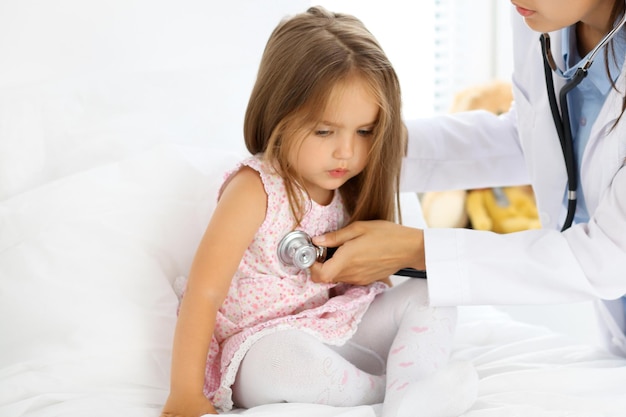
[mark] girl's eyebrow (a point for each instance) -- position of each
(334, 124)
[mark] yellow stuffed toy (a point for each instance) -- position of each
(501, 209)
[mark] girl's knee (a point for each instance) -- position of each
(269, 369)
(411, 297)
(411, 291)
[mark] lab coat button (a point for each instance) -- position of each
(583, 121)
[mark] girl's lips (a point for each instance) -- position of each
(524, 12)
(338, 173)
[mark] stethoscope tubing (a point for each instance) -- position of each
(562, 118)
(562, 125)
(411, 273)
(404, 272)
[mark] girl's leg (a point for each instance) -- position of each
(399, 332)
(293, 366)
(416, 341)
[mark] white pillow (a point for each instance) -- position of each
(86, 265)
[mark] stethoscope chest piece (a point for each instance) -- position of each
(297, 249)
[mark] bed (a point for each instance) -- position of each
(113, 139)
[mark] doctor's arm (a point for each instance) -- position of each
(463, 151)
(237, 216)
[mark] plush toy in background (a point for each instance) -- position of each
(501, 209)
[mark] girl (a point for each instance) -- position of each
(324, 126)
(559, 263)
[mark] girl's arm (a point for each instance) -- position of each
(239, 213)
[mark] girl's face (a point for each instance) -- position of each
(337, 148)
(551, 15)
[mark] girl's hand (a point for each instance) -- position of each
(187, 407)
(369, 251)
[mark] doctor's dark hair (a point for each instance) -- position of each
(618, 10)
(305, 57)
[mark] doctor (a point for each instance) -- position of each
(559, 263)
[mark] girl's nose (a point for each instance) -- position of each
(344, 148)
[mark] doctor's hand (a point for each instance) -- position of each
(369, 251)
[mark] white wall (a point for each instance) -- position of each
(84, 83)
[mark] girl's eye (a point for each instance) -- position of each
(365, 132)
(322, 132)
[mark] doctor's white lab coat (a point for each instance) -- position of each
(479, 149)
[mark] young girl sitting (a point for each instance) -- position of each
(324, 127)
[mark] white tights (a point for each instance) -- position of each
(399, 354)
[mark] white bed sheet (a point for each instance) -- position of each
(87, 308)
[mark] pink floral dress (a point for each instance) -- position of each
(266, 296)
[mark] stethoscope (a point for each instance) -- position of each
(562, 119)
(297, 249)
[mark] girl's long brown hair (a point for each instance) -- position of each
(305, 57)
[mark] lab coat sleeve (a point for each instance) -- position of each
(536, 266)
(468, 150)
